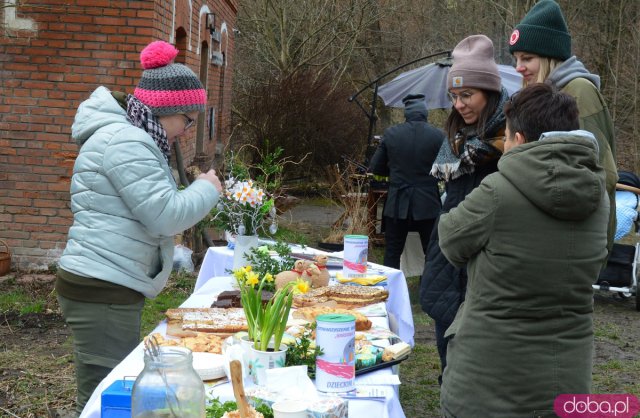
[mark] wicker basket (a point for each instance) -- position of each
(5, 258)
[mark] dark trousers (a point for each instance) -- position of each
(441, 344)
(395, 236)
(103, 335)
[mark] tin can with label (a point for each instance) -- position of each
(356, 249)
(336, 367)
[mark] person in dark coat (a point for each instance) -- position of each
(406, 154)
(533, 239)
(475, 131)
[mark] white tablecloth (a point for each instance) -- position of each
(132, 365)
(218, 260)
(412, 258)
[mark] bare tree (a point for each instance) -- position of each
(288, 36)
(356, 41)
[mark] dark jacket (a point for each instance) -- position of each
(443, 285)
(533, 238)
(406, 154)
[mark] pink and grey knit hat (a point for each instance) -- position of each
(168, 88)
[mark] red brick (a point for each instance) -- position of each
(41, 203)
(90, 37)
(12, 83)
(109, 21)
(76, 18)
(94, 3)
(14, 234)
(30, 219)
(20, 101)
(58, 187)
(106, 55)
(76, 53)
(18, 67)
(146, 14)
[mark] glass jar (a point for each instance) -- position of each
(168, 386)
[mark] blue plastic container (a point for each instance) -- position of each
(116, 400)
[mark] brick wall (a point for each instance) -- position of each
(52, 56)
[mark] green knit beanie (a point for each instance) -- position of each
(543, 31)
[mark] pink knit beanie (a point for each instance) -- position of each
(474, 65)
(168, 88)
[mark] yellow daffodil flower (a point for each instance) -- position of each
(300, 286)
(252, 279)
(238, 274)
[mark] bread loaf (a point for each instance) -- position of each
(345, 296)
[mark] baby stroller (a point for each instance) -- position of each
(622, 270)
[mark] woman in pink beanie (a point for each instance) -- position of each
(475, 128)
(126, 210)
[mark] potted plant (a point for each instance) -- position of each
(247, 205)
(266, 321)
(242, 210)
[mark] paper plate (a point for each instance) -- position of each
(208, 365)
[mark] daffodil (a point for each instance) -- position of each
(252, 279)
(268, 277)
(300, 286)
(239, 274)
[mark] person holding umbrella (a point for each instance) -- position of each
(475, 129)
(541, 46)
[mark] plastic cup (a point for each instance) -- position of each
(289, 409)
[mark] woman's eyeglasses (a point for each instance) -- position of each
(189, 122)
(465, 97)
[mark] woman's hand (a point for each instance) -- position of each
(211, 177)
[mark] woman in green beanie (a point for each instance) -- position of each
(541, 45)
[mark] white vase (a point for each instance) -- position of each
(261, 361)
(243, 245)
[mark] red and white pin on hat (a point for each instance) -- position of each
(515, 35)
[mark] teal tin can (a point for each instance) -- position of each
(336, 367)
(356, 251)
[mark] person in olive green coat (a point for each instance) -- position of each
(541, 46)
(533, 237)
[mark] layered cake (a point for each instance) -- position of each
(217, 320)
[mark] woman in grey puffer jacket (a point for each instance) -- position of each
(126, 210)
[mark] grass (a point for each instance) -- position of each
(420, 392)
(22, 301)
(616, 376)
(607, 332)
(290, 235)
(179, 286)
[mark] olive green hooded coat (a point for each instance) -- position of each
(534, 237)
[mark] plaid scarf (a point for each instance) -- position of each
(466, 150)
(140, 116)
